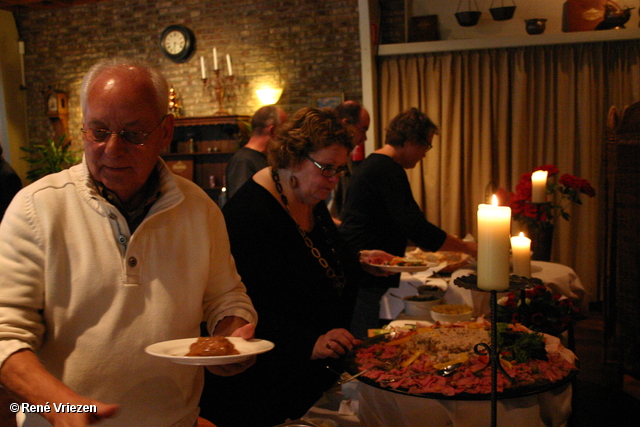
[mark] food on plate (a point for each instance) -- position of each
(404, 262)
(419, 356)
(212, 346)
(452, 309)
(451, 260)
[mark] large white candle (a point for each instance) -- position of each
(521, 253)
(494, 224)
(215, 59)
(229, 65)
(539, 187)
(202, 69)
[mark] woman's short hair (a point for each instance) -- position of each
(309, 130)
(410, 125)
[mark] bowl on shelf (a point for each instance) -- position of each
(535, 26)
(420, 305)
(468, 18)
(451, 313)
(502, 13)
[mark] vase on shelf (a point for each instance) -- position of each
(541, 241)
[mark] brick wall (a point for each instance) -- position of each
(309, 46)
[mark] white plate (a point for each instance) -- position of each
(175, 351)
(402, 268)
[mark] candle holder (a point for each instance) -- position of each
(516, 283)
(219, 90)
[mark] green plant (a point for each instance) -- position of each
(53, 156)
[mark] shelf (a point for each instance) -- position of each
(505, 42)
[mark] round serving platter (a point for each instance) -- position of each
(517, 391)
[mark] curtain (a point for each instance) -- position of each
(501, 113)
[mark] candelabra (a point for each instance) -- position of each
(219, 90)
(515, 283)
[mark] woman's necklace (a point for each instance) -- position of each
(337, 278)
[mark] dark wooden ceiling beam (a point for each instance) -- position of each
(22, 5)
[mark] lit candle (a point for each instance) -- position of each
(521, 252)
(204, 72)
(229, 65)
(539, 187)
(494, 224)
(215, 59)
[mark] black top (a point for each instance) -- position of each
(381, 213)
(242, 165)
(10, 184)
(296, 303)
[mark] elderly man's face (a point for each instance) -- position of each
(117, 102)
(360, 128)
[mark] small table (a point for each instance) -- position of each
(559, 278)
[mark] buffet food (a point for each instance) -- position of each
(404, 262)
(451, 260)
(440, 360)
(212, 346)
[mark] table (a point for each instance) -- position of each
(382, 408)
(559, 278)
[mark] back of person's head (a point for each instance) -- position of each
(410, 125)
(133, 69)
(309, 130)
(349, 111)
(266, 116)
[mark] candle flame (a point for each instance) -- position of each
(494, 200)
(521, 234)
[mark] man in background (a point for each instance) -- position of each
(252, 156)
(93, 269)
(354, 115)
(10, 184)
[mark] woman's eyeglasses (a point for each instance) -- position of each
(135, 138)
(328, 171)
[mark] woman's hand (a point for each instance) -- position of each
(335, 343)
(375, 257)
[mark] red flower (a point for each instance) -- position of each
(568, 187)
(571, 181)
(587, 189)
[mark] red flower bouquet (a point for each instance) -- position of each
(566, 190)
(541, 310)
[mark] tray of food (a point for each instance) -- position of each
(441, 362)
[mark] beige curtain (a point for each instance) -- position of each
(501, 113)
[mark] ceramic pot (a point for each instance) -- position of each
(535, 26)
(468, 18)
(502, 13)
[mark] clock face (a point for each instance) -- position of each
(174, 42)
(177, 43)
(52, 103)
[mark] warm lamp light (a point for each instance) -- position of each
(268, 96)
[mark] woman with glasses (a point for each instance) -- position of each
(380, 211)
(298, 272)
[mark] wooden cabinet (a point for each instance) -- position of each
(202, 147)
(622, 183)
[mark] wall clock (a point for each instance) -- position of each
(177, 43)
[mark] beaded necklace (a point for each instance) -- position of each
(337, 278)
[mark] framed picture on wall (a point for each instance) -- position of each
(328, 100)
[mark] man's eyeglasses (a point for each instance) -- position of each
(135, 138)
(328, 171)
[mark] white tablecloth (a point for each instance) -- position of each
(379, 408)
(559, 278)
